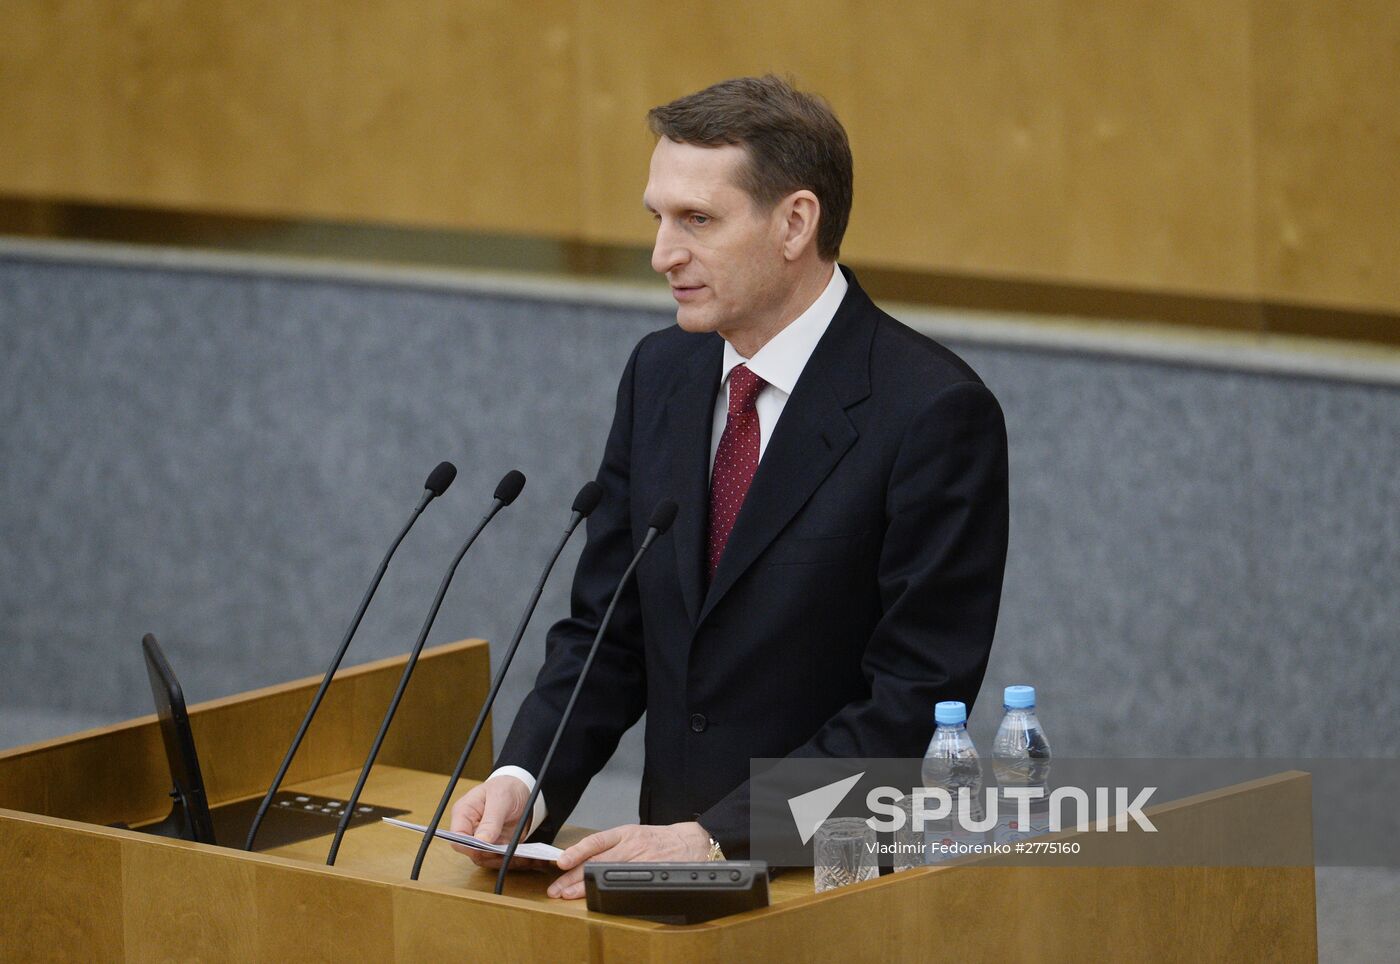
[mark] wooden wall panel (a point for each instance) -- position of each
(1159, 166)
(425, 111)
(1240, 149)
(958, 133)
(126, 895)
(56, 916)
(169, 896)
(434, 926)
(634, 55)
(458, 113)
(324, 916)
(1327, 106)
(60, 134)
(120, 772)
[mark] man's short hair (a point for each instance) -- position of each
(793, 140)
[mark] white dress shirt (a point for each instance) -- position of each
(779, 363)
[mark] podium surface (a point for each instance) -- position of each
(72, 887)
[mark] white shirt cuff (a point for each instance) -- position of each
(540, 811)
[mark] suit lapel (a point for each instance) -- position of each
(689, 421)
(812, 435)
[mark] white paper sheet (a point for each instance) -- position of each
(533, 851)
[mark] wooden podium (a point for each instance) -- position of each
(72, 888)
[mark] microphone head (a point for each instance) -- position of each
(588, 498)
(440, 478)
(662, 516)
(511, 484)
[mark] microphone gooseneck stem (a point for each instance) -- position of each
(569, 708)
(496, 506)
(428, 496)
(431, 831)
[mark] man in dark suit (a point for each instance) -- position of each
(836, 564)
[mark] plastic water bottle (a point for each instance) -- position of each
(951, 763)
(1020, 758)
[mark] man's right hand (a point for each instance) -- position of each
(489, 811)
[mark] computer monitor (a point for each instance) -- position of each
(189, 817)
(295, 815)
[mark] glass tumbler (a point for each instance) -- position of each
(909, 848)
(843, 853)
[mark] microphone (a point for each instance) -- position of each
(584, 503)
(506, 493)
(661, 518)
(438, 480)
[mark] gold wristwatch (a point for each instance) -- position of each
(715, 853)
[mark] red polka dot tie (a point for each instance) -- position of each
(736, 460)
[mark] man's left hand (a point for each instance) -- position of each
(676, 841)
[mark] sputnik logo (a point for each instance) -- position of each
(811, 808)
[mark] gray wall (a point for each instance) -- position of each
(1203, 561)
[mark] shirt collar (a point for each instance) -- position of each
(780, 362)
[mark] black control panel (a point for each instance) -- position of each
(293, 816)
(677, 893)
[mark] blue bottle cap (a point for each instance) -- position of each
(950, 712)
(1018, 697)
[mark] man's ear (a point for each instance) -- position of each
(801, 212)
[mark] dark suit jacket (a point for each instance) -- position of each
(859, 587)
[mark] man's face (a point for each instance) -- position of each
(722, 255)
